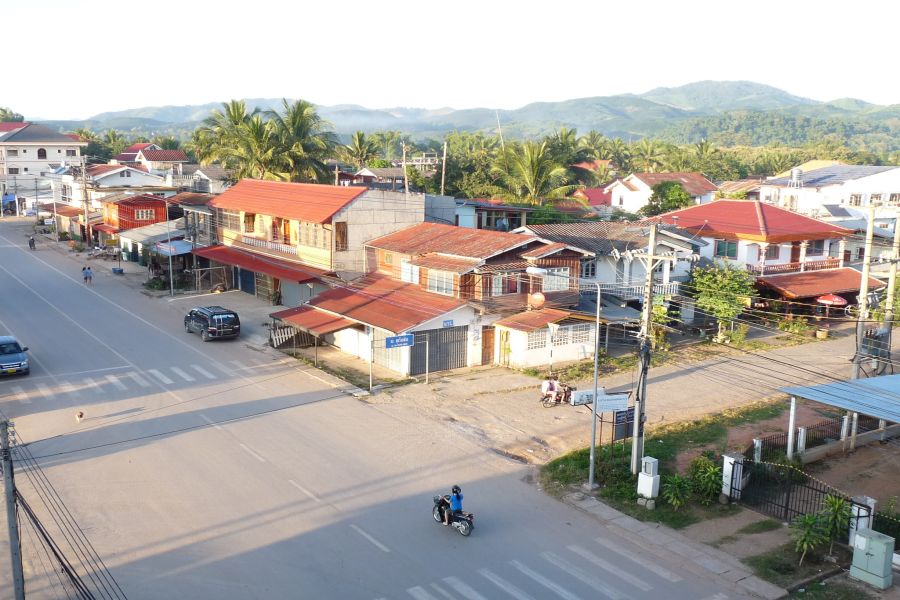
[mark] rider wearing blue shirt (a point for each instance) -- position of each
(456, 499)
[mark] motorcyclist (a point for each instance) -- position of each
(550, 388)
(455, 500)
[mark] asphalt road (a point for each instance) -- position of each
(214, 470)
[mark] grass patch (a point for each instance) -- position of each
(825, 590)
(760, 526)
(780, 565)
(725, 539)
(357, 378)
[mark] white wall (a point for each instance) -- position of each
(467, 216)
(748, 252)
(810, 200)
(520, 356)
(28, 163)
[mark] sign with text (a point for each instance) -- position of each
(399, 341)
(605, 402)
(448, 323)
(624, 426)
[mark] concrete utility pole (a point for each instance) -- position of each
(84, 198)
(405, 175)
(15, 549)
(864, 294)
(444, 167)
(892, 277)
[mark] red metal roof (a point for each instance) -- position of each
(164, 155)
(314, 321)
(440, 262)
(385, 303)
(810, 284)
(135, 200)
(282, 269)
(106, 228)
(533, 319)
(95, 170)
(12, 125)
(135, 148)
(310, 202)
(425, 238)
(546, 250)
(694, 184)
(191, 198)
(595, 196)
(751, 220)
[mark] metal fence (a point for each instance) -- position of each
(887, 525)
(823, 432)
(780, 491)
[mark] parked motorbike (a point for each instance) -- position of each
(563, 396)
(464, 523)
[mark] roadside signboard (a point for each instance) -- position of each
(624, 426)
(605, 402)
(399, 341)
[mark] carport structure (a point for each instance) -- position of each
(877, 397)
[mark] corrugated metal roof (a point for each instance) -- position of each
(694, 184)
(440, 262)
(832, 175)
(164, 155)
(282, 269)
(310, 202)
(876, 396)
(600, 237)
(811, 284)
(149, 234)
(191, 198)
(533, 319)
(546, 250)
(314, 321)
(426, 238)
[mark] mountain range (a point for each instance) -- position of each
(678, 113)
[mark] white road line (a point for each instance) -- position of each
(20, 395)
(223, 369)
(252, 453)
(442, 591)
(464, 590)
(210, 421)
(115, 381)
(183, 375)
(303, 489)
(90, 383)
(553, 587)
(645, 564)
(504, 585)
(601, 586)
(67, 388)
(138, 379)
(419, 593)
(44, 390)
(203, 371)
(716, 597)
(366, 535)
(238, 364)
(611, 568)
(162, 378)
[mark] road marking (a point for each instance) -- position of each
(203, 371)
(183, 375)
(366, 535)
(162, 378)
(716, 597)
(553, 587)
(645, 564)
(138, 379)
(211, 422)
(115, 381)
(419, 593)
(67, 388)
(463, 589)
(224, 369)
(303, 489)
(600, 586)
(442, 591)
(252, 453)
(90, 383)
(504, 585)
(20, 395)
(239, 365)
(611, 569)
(44, 390)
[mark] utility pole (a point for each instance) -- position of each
(405, 175)
(15, 548)
(444, 167)
(84, 198)
(864, 294)
(892, 278)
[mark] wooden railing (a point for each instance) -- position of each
(795, 267)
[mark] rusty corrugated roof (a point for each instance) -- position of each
(314, 321)
(694, 184)
(811, 284)
(427, 238)
(442, 262)
(310, 202)
(533, 319)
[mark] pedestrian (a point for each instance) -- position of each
(84, 274)
(88, 275)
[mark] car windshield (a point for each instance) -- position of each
(10, 348)
(225, 320)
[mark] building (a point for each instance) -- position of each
(100, 181)
(388, 178)
(153, 158)
(744, 189)
(491, 213)
(630, 194)
(122, 212)
(28, 151)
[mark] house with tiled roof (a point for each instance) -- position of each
(29, 151)
(630, 194)
(161, 162)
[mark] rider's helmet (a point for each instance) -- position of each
(455, 489)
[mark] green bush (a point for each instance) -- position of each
(156, 283)
(808, 533)
(797, 326)
(676, 490)
(835, 518)
(705, 479)
(739, 335)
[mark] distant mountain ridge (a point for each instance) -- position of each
(668, 113)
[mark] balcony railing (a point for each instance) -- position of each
(795, 267)
(633, 291)
(267, 245)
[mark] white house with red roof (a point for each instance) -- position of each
(632, 193)
(101, 181)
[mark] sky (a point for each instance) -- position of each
(83, 57)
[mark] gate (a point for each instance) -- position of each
(447, 349)
(247, 280)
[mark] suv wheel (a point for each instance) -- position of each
(187, 327)
(204, 335)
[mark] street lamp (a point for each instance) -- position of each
(591, 485)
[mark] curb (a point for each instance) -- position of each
(697, 558)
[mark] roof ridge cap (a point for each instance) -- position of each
(761, 218)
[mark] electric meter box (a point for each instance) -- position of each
(872, 556)
(648, 478)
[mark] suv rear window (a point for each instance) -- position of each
(225, 320)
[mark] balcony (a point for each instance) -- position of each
(795, 267)
(273, 247)
(632, 291)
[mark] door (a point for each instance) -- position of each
(795, 252)
(447, 349)
(504, 347)
(487, 345)
(247, 280)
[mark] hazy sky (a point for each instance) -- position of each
(75, 58)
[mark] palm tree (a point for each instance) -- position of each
(648, 155)
(86, 135)
(252, 151)
(531, 174)
(596, 145)
(114, 141)
(7, 114)
(304, 141)
(619, 154)
(361, 150)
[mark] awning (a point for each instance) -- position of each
(105, 228)
(876, 396)
(533, 319)
(174, 248)
(282, 269)
(811, 284)
(314, 321)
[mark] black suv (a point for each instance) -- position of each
(212, 322)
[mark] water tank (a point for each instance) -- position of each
(796, 175)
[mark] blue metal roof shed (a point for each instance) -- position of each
(877, 397)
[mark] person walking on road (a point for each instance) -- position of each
(88, 275)
(31, 242)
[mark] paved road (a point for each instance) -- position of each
(219, 471)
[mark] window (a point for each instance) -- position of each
(773, 252)
(144, 214)
(409, 273)
(621, 201)
(504, 283)
(562, 336)
(125, 173)
(726, 249)
(582, 333)
(341, 243)
(14, 170)
(874, 198)
(66, 193)
(25, 169)
(42, 154)
(815, 248)
(860, 253)
(537, 339)
(894, 199)
(249, 222)
(12, 152)
(70, 153)
(557, 279)
(440, 282)
(388, 258)
(855, 199)
(588, 268)
(230, 219)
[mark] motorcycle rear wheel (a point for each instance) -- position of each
(547, 401)
(465, 527)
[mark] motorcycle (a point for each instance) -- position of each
(563, 396)
(463, 522)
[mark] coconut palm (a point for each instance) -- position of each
(530, 174)
(114, 141)
(596, 145)
(252, 151)
(304, 139)
(361, 150)
(619, 154)
(86, 135)
(648, 155)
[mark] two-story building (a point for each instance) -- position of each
(99, 181)
(153, 158)
(27, 152)
(632, 193)
(123, 212)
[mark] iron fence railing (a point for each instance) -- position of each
(781, 491)
(823, 432)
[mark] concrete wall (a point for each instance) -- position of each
(466, 215)
(839, 446)
(520, 356)
(440, 209)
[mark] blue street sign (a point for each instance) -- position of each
(625, 416)
(399, 341)
(448, 323)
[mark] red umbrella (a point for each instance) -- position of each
(830, 300)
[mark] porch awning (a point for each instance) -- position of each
(536, 319)
(105, 228)
(876, 396)
(811, 284)
(174, 248)
(282, 269)
(314, 321)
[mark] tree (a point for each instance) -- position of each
(722, 291)
(304, 141)
(9, 115)
(361, 150)
(114, 141)
(167, 142)
(648, 155)
(667, 196)
(807, 533)
(530, 174)
(835, 518)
